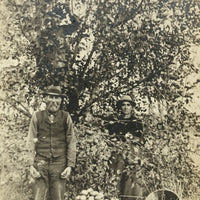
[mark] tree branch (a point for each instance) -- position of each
(13, 103)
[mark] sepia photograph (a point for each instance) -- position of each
(100, 99)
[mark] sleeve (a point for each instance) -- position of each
(32, 138)
(139, 132)
(139, 129)
(111, 124)
(71, 142)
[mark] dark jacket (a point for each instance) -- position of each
(120, 127)
(51, 136)
(53, 139)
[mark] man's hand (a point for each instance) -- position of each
(66, 173)
(34, 173)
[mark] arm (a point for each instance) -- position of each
(31, 141)
(138, 129)
(32, 138)
(111, 124)
(71, 143)
(71, 148)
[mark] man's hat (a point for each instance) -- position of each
(54, 90)
(125, 98)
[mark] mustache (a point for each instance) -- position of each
(53, 104)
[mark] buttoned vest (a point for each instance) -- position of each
(51, 136)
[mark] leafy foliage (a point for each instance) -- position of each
(14, 158)
(112, 48)
(141, 48)
(164, 160)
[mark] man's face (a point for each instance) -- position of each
(53, 103)
(126, 108)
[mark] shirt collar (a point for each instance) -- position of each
(50, 116)
(51, 113)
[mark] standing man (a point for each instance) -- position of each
(52, 142)
(126, 124)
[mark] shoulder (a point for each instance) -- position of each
(36, 117)
(111, 118)
(64, 113)
(39, 113)
(36, 113)
(133, 117)
(136, 119)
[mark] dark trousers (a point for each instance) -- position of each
(125, 183)
(50, 184)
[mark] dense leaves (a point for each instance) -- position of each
(164, 160)
(112, 48)
(97, 50)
